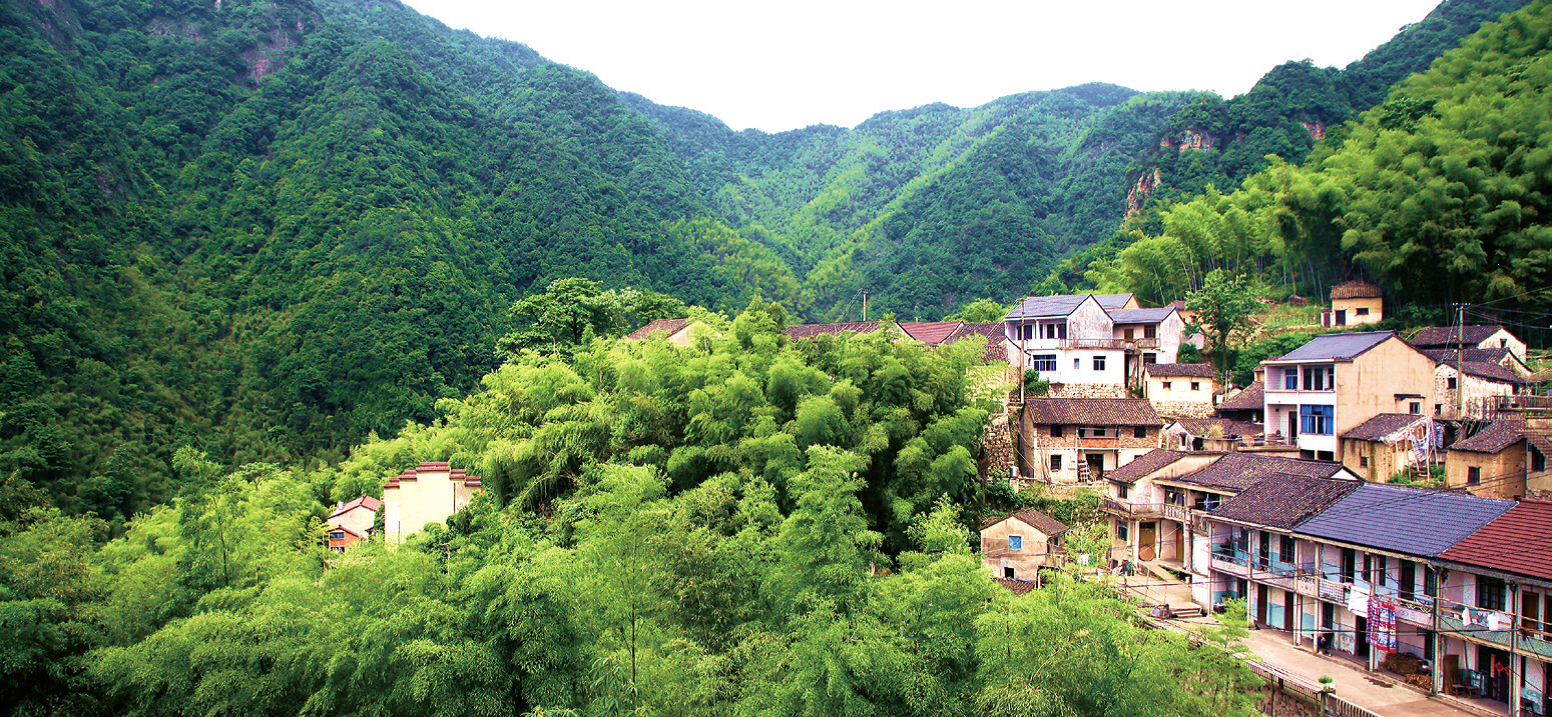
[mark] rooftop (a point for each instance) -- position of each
(365, 501)
(1253, 398)
(1471, 354)
(1489, 371)
(1356, 290)
(1517, 541)
(1034, 307)
(1113, 301)
(1140, 316)
(1091, 412)
(1230, 427)
(1284, 501)
(1383, 425)
(1404, 519)
(1047, 525)
(808, 331)
(931, 333)
(1440, 336)
(1495, 437)
(996, 347)
(1339, 347)
(1238, 471)
(1167, 370)
(668, 326)
(1139, 467)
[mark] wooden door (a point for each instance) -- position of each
(1261, 600)
(1288, 607)
(1147, 541)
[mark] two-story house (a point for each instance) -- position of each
(1069, 339)
(1156, 335)
(1470, 389)
(351, 523)
(1017, 545)
(1078, 440)
(1180, 390)
(1336, 382)
(1495, 612)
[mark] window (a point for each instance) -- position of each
(1056, 462)
(1362, 311)
(1150, 359)
(1291, 378)
(1120, 531)
(1026, 332)
(1503, 343)
(1430, 581)
(1099, 363)
(1122, 490)
(1490, 593)
(1015, 542)
(1099, 431)
(1538, 460)
(1150, 331)
(1166, 385)
(1473, 476)
(1043, 362)
(1053, 331)
(1415, 407)
(1077, 363)
(1449, 383)
(1058, 431)
(1083, 431)
(1363, 461)
(1319, 378)
(1285, 549)
(1378, 576)
(1140, 432)
(1438, 409)
(1317, 420)
(1196, 385)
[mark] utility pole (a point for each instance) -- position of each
(1460, 360)
(864, 304)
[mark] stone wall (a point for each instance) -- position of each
(1281, 704)
(1183, 409)
(997, 452)
(1087, 390)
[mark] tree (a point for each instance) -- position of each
(980, 311)
(1221, 308)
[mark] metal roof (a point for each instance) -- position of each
(1404, 519)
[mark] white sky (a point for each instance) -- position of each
(781, 66)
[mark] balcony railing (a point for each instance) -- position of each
(1177, 513)
(1494, 626)
(1134, 510)
(1094, 343)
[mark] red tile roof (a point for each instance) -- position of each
(808, 331)
(365, 501)
(996, 339)
(1519, 541)
(1498, 435)
(1018, 587)
(931, 333)
(412, 474)
(1435, 336)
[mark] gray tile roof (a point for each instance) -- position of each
(1231, 427)
(1164, 370)
(1404, 519)
(1253, 398)
(1091, 412)
(1043, 306)
(1498, 435)
(1470, 353)
(1112, 301)
(1355, 290)
(669, 326)
(996, 347)
(1338, 346)
(1436, 336)
(808, 331)
(1238, 471)
(1489, 371)
(1381, 425)
(1284, 501)
(1140, 316)
(1139, 467)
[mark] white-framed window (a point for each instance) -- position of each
(1043, 362)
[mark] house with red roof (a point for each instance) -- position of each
(351, 523)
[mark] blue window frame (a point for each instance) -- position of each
(1015, 542)
(1317, 420)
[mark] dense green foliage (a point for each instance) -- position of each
(1441, 193)
(745, 526)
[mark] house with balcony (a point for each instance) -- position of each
(1495, 612)
(1255, 554)
(1017, 545)
(1070, 340)
(1180, 390)
(1470, 389)
(1336, 382)
(1079, 440)
(1376, 561)
(1155, 334)
(1389, 442)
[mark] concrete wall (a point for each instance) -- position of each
(429, 496)
(996, 556)
(1375, 305)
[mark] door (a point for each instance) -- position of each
(1363, 638)
(1408, 579)
(1096, 465)
(1494, 667)
(1266, 549)
(1341, 317)
(1147, 541)
(1288, 606)
(1261, 600)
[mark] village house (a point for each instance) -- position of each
(427, 493)
(855, 328)
(1498, 356)
(351, 523)
(676, 331)
(1389, 442)
(1490, 462)
(1078, 440)
(1470, 389)
(1069, 339)
(1495, 612)
(1154, 334)
(1469, 337)
(1354, 303)
(1180, 390)
(1334, 383)
(1016, 546)
(1210, 434)
(1247, 404)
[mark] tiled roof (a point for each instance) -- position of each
(931, 333)
(668, 326)
(1253, 398)
(1139, 467)
(413, 474)
(1355, 290)
(1470, 353)
(1039, 521)
(1231, 427)
(1284, 501)
(808, 331)
(1404, 519)
(1489, 371)
(1033, 307)
(1140, 316)
(1178, 305)
(996, 346)
(1438, 336)
(1517, 541)
(1498, 435)
(1019, 587)
(1164, 370)
(1112, 301)
(1238, 471)
(1382, 425)
(1091, 412)
(1338, 346)
(365, 501)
